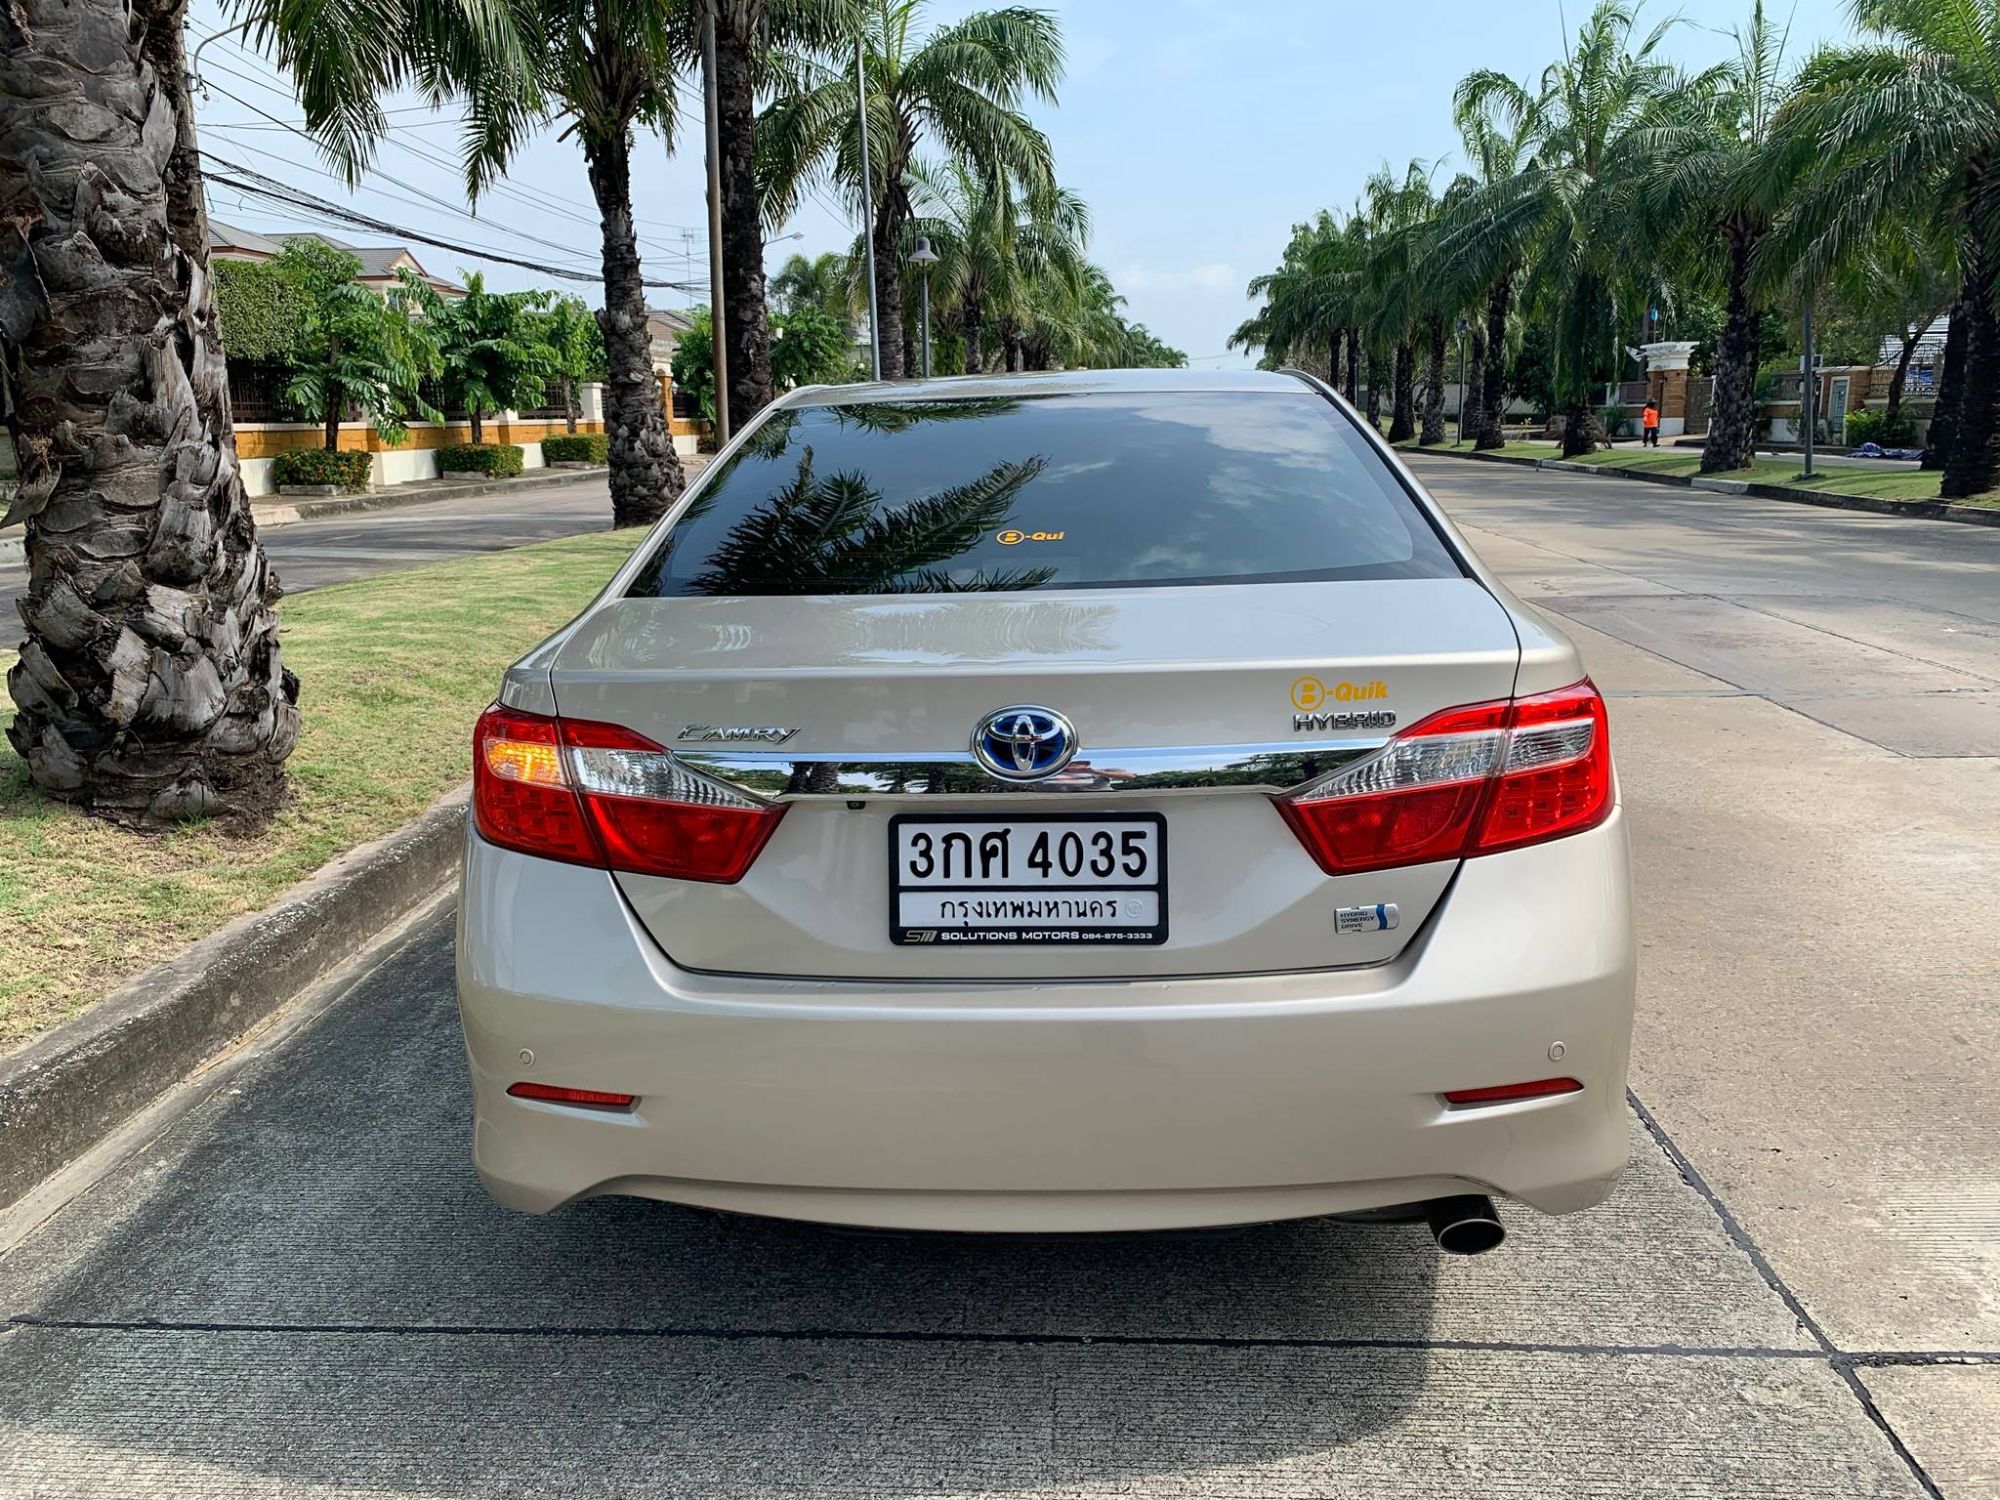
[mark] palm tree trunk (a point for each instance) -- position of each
(1970, 466)
(150, 687)
(739, 27)
(1353, 365)
(1950, 389)
(1333, 360)
(1403, 412)
(1374, 390)
(974, 318)
(1732, 413)
(889, 287)
(646, 475)
(1583, 434)
(1433, 429)
(1493, 375)
(1010, 344)
(1473, 396)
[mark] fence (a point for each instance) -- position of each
(256, 392)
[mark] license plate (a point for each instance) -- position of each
(1059, 878)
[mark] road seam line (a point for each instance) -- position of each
(1842, 1362)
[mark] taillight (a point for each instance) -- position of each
(599, 794)
(1464, 781)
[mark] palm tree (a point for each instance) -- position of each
(961, 85)
(1552, 215)
(150, 687)
(826, 281)
(493, 347)
(1313, 302)
(1399, 213)
(604, 67)
(1908, 127)
(1699, 182)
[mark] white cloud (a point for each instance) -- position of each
(1212, 276)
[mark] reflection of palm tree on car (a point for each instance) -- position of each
(833, 535)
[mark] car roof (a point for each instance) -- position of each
(1046, 383)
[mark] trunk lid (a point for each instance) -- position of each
(1187, 703)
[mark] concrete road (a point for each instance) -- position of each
(308, 554)
(298, 1288)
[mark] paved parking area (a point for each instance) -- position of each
(299, 1289)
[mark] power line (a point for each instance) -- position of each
(262, 186)
(427, 197)
(274, 84)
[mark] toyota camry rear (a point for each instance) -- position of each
(1091, 801)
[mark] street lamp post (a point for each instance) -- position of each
(1461, 383)
(868, 217)
(923, 258)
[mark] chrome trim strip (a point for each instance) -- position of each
(1166, 771)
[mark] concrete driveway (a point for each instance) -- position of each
(298, 1288)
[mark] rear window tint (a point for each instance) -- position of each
(1047, 492)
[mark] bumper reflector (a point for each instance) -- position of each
(1507, 1093)
(548, 1093)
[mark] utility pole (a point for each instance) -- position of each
(718, 334)
(868, 217)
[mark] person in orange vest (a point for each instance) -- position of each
(1649, 424)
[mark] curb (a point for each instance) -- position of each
(70, 1089)
(288, 512)
(1923, 510)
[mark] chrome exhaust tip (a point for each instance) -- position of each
(1464, 1225)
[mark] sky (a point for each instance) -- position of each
(1198, 131)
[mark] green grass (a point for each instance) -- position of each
(1514, 449)
(393, 670)
(1882, 484)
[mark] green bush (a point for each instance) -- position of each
(498, 459)
(1863, 426)
(576, 448)
(1617, 420)
(319, 466)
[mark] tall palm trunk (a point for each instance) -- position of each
(1433, 428)
(1732, 413)
(888, 287)
(645, 476)
(1950, 388)
(1010, 344)
(973, 316)
(1374, 390)
(1333, 360)
(1353, 365)
(1974, 458)
(1403, 411)
(747, 328)
(1493, 375)
(150, 687)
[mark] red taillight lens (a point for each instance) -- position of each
(1507, 1093)
(547, 1093)
(1464, 781)
(521, 796)
(600, 794)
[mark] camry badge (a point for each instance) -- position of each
(737, 734)
(1024, 742)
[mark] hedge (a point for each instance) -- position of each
(577, 448)
(499, 459)
(319, 466)
(260, 311)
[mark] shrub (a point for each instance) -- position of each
(1863, 426)
(1617, 420)
(498, 459)
(576, 448)
(319, 466)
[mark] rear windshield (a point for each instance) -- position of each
(1047, 492)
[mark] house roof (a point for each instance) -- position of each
(378, 262)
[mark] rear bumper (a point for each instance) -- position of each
(1043, 1106)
